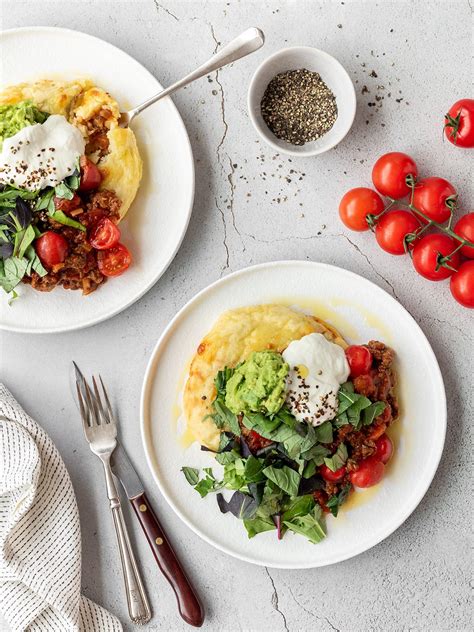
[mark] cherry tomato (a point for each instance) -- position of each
(61, 204)
(356, 204)
(114, 261)
(465, 228)
(436, 198)
(426, 253)
(369, 473)
(391, 230)
(51, 248)
(462, 284)
(459, 123)
(90, 175)
(104, 234)
(390, 172)
(359, 359)
(383, 449)
(330, 476)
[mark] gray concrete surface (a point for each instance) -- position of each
(417, 579)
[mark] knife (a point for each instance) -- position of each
(189, 606)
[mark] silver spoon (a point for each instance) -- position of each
(247, 42)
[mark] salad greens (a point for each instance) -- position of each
(18, 209)
(272, 487)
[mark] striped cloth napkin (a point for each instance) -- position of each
(40, 539)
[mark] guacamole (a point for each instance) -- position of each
(258, 384)
(15, 117)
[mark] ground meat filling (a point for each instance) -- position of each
(79, 271)
(378, 385)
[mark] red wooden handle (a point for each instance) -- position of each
(188, 603)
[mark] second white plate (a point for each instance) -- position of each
(340, 297)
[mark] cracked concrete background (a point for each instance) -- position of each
(409, 61)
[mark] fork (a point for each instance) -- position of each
(100, 429)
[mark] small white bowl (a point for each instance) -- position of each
(331, 72)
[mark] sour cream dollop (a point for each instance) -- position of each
(41, 155)
(317, 369)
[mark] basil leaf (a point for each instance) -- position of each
(271, 500)
(286, 478)
(22, 240)
(346, 397)
(338, 459)
(280, 434)
(308, 526)
(309, 469)
(34, 262)
(372, 412)
(324, 432)
(191, 474)
(336, 501)
(351, 405)
(224, 417)
(61, 190)
(354, 411)
(62, 218)
(300, 506)
(221, 379)
(224, 458)
(294, 445)
(12, 270)
(73, 181)
(258, 525)
(316, 453)
(253, 471)
(44, 201)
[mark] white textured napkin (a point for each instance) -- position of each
(40, 538)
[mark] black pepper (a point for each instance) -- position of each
(298, 106)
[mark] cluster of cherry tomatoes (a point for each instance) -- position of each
(404, 224)
(113, 257)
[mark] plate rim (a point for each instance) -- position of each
(136, 297)
(146, 439)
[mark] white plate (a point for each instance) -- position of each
(156, 222)
(339, 297)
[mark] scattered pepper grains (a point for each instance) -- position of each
(298, 106)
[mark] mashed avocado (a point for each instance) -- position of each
(258, 384)
(15, 117)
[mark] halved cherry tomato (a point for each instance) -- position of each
(465, 228)
(90, 175)
(61, 204)
(392, 228)
(427, 252)
(51, 248)
(383, 449)
(369, 473)
(114, 261)
(390, 172)
(104, 234)
(356, 204)
(459, 123)
(330, 476)
(462, 284)
(359, 359)
(436, 198)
